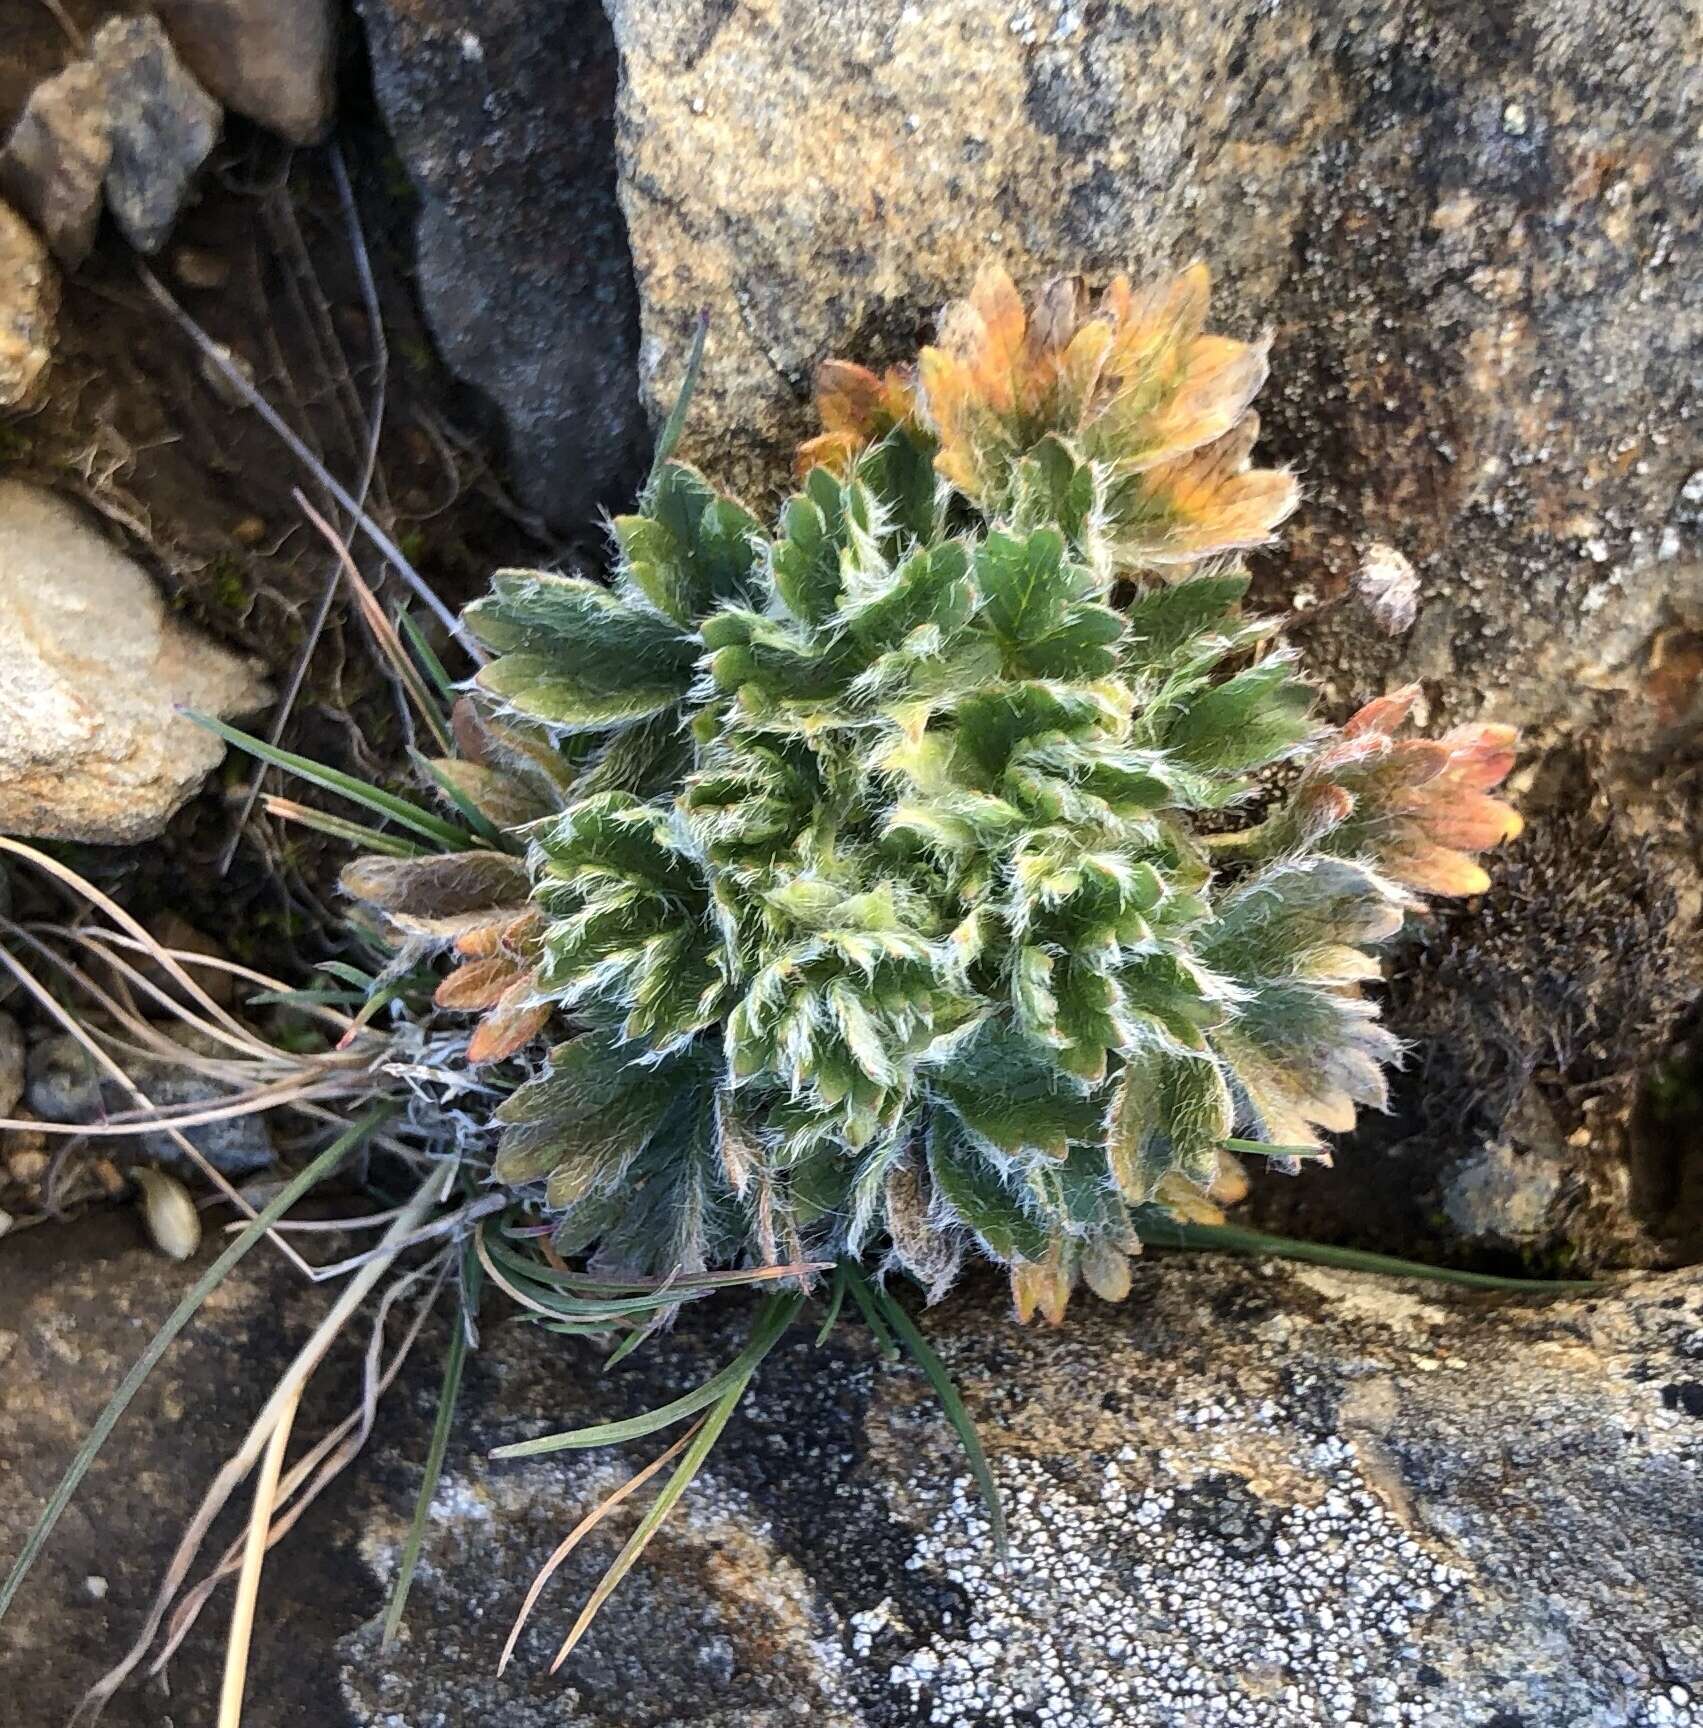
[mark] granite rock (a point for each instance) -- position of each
(273, 61)
(1474, 237)
(1256, 1494)
(29, 307)
(53, 165)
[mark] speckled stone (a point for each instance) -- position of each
(29, 307)
(1474, 236)
(162, 126)
(1261, 1495)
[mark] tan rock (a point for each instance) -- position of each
(29, 307)
(92, 672)
(54, 162)
(270, 60)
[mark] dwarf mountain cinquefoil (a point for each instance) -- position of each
(896, 894)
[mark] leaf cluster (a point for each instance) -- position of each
(902, 896)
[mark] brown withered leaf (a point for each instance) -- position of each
(504, 800)
(856, 407)
(931, 1256)
(1207, 502)
(1136, 385)
(439, 887)
(1421, 806)
(512, 746)
(516, 931)
(737, 1136)
(1042, 1285)
(1105, 1270)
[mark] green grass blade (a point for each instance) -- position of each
(1162, 1231)
(422, 650)
(412, 816)
(688, 1467)
(676, 422)
(524, 1280)
(683, 1284)
(353, 976)
(477, 820)
(455, 1359)
(339, 828)
(626, 1347)
(180, 1317)
(836, 1301)
(777, 1315)
(306, 999)
(420, 693)
(947, 1393)
(865, 1301)
(767, 1335)
(1264, 1149)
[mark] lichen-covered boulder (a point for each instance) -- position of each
(1474, 238)
(1256, 1494)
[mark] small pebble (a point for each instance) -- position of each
(172, 1220)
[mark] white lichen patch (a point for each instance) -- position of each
(1668, 1707)
(1133, 1598)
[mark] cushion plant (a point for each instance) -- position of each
(904, 901)
(951, 868)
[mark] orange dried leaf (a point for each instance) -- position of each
(516, 1020)
(1383, 714)
(510, 929)
(478, 985)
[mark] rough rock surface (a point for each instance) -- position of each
(11, 1064)
(502, 112)
(163, 124)
(92, 670)
(271, 60)
(1257, 1495)
(1475, 237)
(29, 307)
(53, 165)
(65, 1086)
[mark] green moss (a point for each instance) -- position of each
(224, 583)
(15, 443)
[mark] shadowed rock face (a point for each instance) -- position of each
(503, 115)
(1314, 1498)
(1474, 234)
